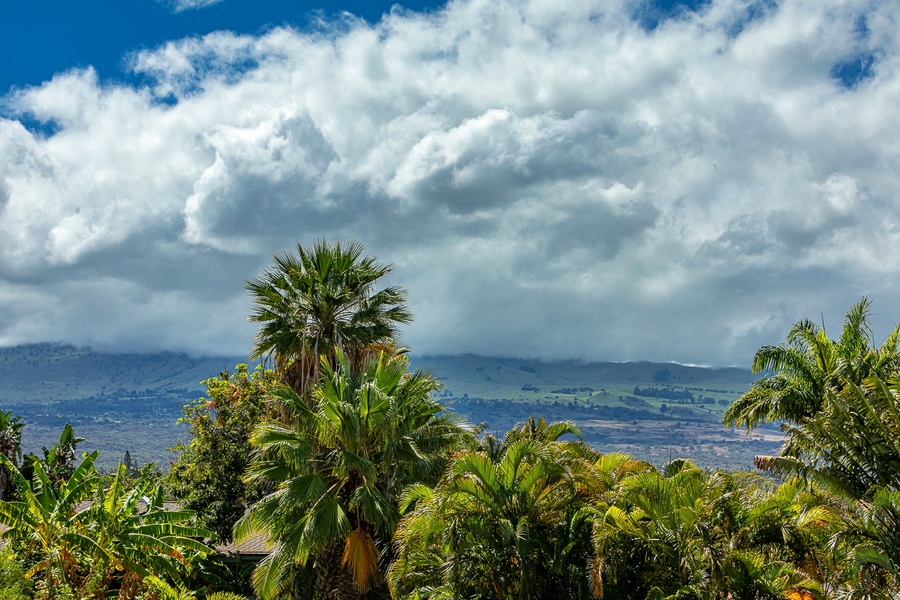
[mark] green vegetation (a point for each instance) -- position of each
(510, 518)
(10, 447)
(321, 300)
(206, 476)
(14, 585)
(353, 426)
(338, 468)
(365, 485)
(82, 541)
(808, 366)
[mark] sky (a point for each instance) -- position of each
(589, 179)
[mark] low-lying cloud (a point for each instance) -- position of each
(552, 179)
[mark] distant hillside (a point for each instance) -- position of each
(489, 377)
(117, 402)
(654, 411)
(131, 402)
(46, 373)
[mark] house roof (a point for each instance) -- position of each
(255, 545)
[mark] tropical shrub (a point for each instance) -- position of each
(82, 541)
(207, 476)
(509, 519)
(13, 583)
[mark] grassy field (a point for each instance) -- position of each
(131, 402)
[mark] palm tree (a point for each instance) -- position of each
(319, 300)
(337, 469)
(686, 533)
(781, 544)
(851, 448)
(808, 363)
(871, 533)
(508, 520)
(658, 534)
(840, 401)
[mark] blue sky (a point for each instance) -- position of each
(43, 37)
(596, 179)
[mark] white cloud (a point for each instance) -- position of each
(180, 5)
(551, 179)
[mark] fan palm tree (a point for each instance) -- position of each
(808, 363)
(320, 300)
(337, 469)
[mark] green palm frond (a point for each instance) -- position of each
(808, 364)
(319, 300)
(505, 512)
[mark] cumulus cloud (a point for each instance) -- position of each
(552, 179)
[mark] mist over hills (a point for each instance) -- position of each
(131, 401)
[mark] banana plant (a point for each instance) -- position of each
(136, 537)
(89, 541)
(46, 519)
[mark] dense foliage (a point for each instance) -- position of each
(82, 541)
(10, 447)
(323, 299)
(338, 468)
(206, 477)
(509, 519)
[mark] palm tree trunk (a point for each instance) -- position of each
(333, 580)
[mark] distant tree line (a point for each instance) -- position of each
(681, 396)
(571, 391)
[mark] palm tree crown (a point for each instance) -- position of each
(319, 300)
(507, 520)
